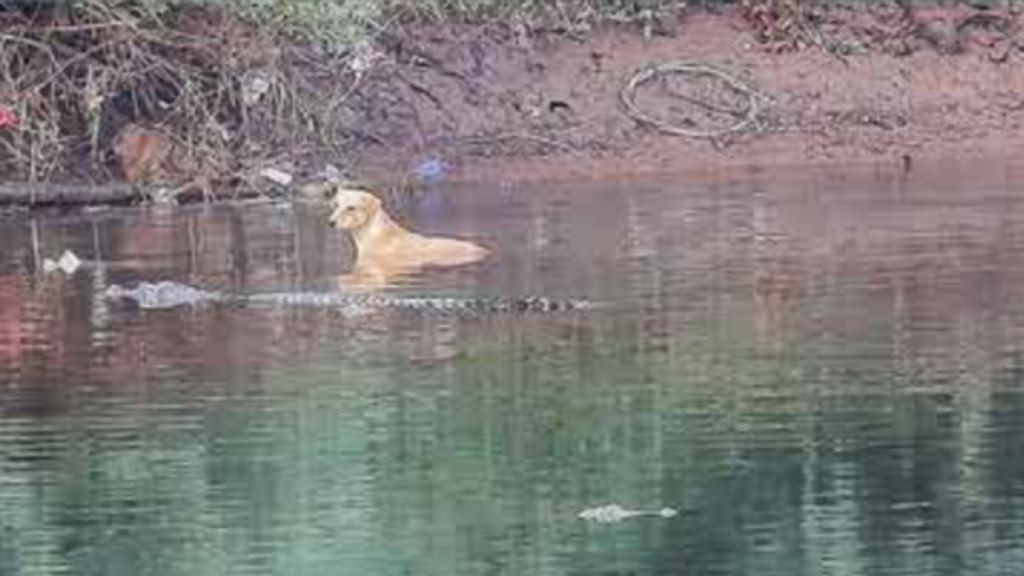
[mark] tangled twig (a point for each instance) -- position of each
(230, 93)
(746, 116)
(781, 24)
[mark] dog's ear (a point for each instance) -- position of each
(372, 204)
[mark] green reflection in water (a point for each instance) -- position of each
(870, 423)
(480, 465)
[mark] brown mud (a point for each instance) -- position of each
(883, 83)
(875, 86)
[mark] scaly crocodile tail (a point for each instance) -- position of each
(167, 294)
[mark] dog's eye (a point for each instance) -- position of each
(350, 209)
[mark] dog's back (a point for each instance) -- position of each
(420, 251)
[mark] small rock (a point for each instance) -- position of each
(1000, 53)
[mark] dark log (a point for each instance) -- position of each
(37, 194)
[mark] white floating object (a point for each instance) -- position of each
(279, 176)
(615, 513)
(68, 263)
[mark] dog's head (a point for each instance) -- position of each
(353, 208)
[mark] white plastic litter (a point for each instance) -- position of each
(68, 263)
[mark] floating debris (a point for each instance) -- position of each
(431, 170)
(615, 513)
(68, 263)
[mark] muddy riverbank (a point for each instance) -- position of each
(500, 101)
(493, 106)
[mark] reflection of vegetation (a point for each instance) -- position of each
(482, 464)
(866, 427)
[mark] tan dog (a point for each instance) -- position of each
(149, 156)
(384, 249)
(143, 154)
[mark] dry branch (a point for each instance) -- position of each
(73, 82)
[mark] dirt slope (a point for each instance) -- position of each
(495, 102)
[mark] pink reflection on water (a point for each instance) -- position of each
(11, 297)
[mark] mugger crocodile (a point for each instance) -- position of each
(168, 294)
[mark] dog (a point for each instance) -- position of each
(384, 249)
(143, 154)
(149, 156)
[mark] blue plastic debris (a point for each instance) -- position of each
(430, 170)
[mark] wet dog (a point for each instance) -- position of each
(385, 249)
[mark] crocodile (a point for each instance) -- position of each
(615, 513)
(168, 294)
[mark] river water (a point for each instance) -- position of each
(820, 374)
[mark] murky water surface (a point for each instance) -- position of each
(821, 375)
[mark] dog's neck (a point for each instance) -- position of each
(375, 232)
